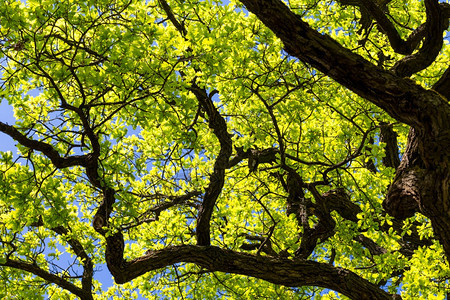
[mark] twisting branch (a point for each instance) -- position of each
(303, 208)
(297, 272)
(322, 230)
(377, 10)
(46, 149)
(437, 22)
(217, 179)
(400, 46)
(219, 126)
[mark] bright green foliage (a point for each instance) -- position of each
(128, 69)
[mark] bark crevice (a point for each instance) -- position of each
(415, 187)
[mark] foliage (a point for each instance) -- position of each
(130, 115)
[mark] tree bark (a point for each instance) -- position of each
(427, 111)
(294, 273)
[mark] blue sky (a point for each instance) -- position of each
(6, 116)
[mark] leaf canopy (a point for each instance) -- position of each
(144, 128)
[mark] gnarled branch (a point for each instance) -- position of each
(297, 272)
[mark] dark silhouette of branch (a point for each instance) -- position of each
(422, 187)
(389, 137)
(47, 149)
(437, 22)
(442, 86)
(217, 179)
(46, 275)
(297, 272)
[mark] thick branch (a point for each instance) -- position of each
(442, 86)
(400, 46)
(436, 24)
(219, 126)
(281, 271)
(36, 270)
(46, 149)
(425, 110)
(217, 179)
(404, 194)
(389, 137)
(101, 218)
(322, 229)
(401, 98)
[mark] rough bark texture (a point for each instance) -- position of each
(389, 137)
(421, 183)
(423, 187)
(403, 198)
(297, 272)
(217, 179)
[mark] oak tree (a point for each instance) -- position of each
(253, 149)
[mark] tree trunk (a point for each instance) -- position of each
(422, 182)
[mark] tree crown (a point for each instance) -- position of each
(206, 149)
